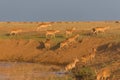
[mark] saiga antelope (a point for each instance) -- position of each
(71, 65)
(15, 32)
(103, 74)
(64, 43)
(87, 58)
(51, 33)
(43, 26)
(47, 44)
(92, 54)
(73, 38)
(99, 29)
(69, 32)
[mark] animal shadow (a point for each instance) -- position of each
(57, 46)
(41, 46)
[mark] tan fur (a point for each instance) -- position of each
(73, 39)
(92, 55)
(15, 32)
(43, 26)
(103, 74)
(69, 32)
(71, 65)
(51, 33)
(64, 43)
(87, 58)
(99, 29)
(47, 43)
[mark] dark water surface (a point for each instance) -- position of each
(27, 71)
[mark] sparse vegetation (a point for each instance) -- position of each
(84, 73)
(28, 47)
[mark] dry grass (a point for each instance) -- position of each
(28, 46)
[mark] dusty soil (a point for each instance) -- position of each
(32, 50)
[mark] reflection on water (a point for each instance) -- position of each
(5, 64)
(29, 71)
(4, 77)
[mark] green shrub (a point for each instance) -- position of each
(84, 73)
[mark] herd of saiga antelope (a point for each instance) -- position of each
(102, 74)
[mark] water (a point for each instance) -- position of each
(3, 77)
(27, 71)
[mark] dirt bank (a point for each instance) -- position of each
(29, 50)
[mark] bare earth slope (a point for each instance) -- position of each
(29, 48)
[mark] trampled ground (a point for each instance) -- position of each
(28, 46)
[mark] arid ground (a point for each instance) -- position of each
(27, 53)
